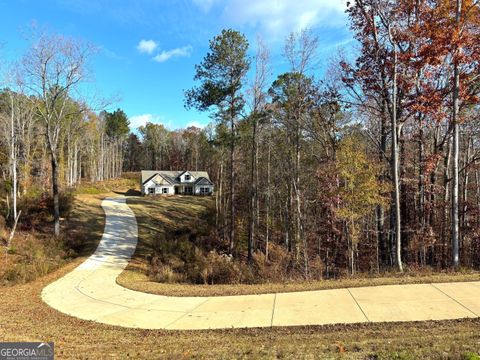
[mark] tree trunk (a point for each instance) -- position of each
(56, 204)
(232, 187)
(395, 170)
(446, 195)
(267, 205)
(380, 211)
(253, 191)
(456, 153)
(13, 155)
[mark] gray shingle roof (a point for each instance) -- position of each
(203, 181)
(172, 176)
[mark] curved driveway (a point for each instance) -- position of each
(90, 292)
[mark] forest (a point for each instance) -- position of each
(365, 162)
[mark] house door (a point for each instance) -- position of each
(176, 190)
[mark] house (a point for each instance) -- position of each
(176, 182)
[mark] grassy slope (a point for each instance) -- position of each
(24, 317)
(157, 216)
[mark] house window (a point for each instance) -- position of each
(164, 190)
(187, 177)
(188, 190)
(204, 190)
(151, 190)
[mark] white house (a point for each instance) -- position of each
(176, 182)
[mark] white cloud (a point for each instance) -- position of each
(196, 124)
(185, 51)
(276, 18)
(147, 46)
(205, 5)
(141, 120)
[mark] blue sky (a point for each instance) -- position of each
(148, 48)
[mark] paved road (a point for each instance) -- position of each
(90, 292)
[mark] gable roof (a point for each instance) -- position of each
(171, 176)
(163, 180)
(203, 181)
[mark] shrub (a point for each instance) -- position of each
(221, 269)
(164, 273)
(278, 264)
(197, 269)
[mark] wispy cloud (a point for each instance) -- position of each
(280, 16)
(147, 46)
(110, 53)
(184, 51)
(205, 5)
(276, 18)
(141, 120)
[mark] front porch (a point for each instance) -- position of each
(184, 189)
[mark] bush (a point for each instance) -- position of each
(164, 273)
(278, 264)
(28, 271)
(221, 269)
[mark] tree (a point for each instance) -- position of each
(222, 74)
(155, 138)
(133, 154)
(117, 130)
(360, 190)
(377, 26)
(292, 100)
(53, 68)
(258, 114)
(465, 55)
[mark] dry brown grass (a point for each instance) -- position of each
(35, 251)
(24, 317)
(135, 279)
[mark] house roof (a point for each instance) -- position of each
(203, 181)
(164, 180)
(172, 176)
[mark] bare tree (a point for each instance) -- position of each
(300, 51)
(54, 67)
(258, 93)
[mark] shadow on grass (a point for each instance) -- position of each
(85, 227)
(129, 192)
(166, 218)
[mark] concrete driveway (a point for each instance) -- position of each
(90, 292)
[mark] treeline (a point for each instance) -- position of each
(153, 146)
(372, 167)
(50, 136)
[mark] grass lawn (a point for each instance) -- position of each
(24, 317)
(135, 279)
(158, 218)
